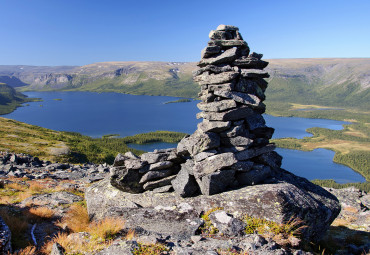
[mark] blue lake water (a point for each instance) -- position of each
(98, 114)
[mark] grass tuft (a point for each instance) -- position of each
(106, 229)
(208, 228)
(153, 249)
(41, 213)
(76, 219)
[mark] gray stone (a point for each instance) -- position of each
(236, 141)
(273, 159)
(254, 73)
(163, 189)
(119, 248)
(160, 165)
(250, 87)
(237, 130)
(234, 114)
(5, 238)
(242, 166)
(184, 184)
(263, 132)
(254, 152)
(255, 121)
(204, 155)
(126, 180)
(253, 176)
(213, 164)
(52, 199)
(155, 174)
(154, 157)
(216, 182)
(213, 126)
(223, 27)
(131, 155)
(250, 63)
(225, 86)
(240, 97)
(227, 224)
(228, 43)
(207, 79)
(225, 57)
(160, 183)
(210, 51)
(130, 163)
(214, 69)
(118, 161)
(255, 55)
(217, 106)
(198, 142)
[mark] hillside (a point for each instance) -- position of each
(10, 99)
(326, 82)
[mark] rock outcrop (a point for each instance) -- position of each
(228, 162)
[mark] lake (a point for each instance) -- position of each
(98, 114)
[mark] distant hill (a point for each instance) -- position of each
(10, 99)
(330, 82)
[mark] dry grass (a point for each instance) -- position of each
(153, 249)
(283, 233)
(131, 234)
(29, 250)
(76, 219)
(73, 247)
(18, 226)
(41, 213)
(106, 228)
(20, 189)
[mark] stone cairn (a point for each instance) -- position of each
(230, 148)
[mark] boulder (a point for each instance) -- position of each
(280, 198)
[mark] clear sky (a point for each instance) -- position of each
(79, 32)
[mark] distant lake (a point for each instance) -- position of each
(98, 114)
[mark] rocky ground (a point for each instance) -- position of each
(37, 197)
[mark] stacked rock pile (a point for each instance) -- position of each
(231, 146)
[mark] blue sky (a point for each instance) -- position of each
(79, 32)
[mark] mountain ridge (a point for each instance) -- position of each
(323, 81)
